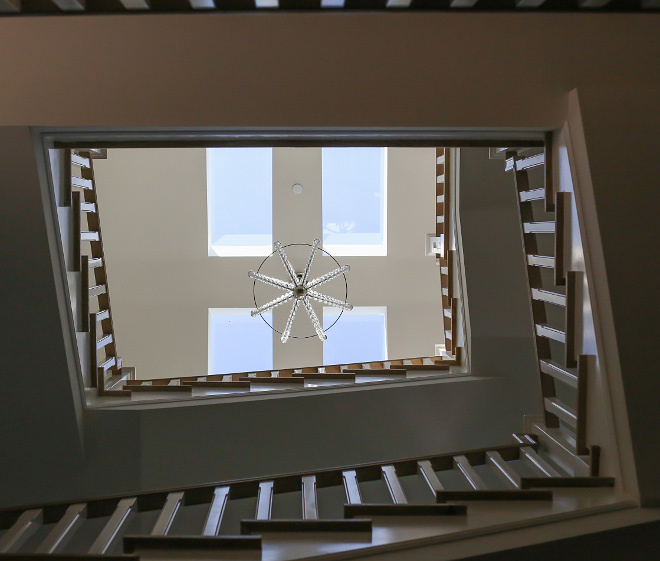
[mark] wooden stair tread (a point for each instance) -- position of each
(368, 510)
(216, 384)
(522, 494)
(270, 380)
(395, 370)
(163, 388)
(234, 543)
(299, 525)
(324, 376)
(556, 482)
(435, 366)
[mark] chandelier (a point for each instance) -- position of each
(300, 289)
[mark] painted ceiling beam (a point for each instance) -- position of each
(70, 5)
(10, 5)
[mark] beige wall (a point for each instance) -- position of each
(162, 283)
(375, 70)
(447, 70)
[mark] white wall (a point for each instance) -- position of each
(153, 212)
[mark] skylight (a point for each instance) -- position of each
(355, 201)
(360, 335)
(240, 201)
(238, 342)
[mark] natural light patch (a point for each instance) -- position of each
(359, 336)
(240, 201)
(238, 342)
(355, 201)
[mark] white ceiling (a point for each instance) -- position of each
(162, 281)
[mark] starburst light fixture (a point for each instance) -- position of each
(300, 289)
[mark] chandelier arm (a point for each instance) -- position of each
(325, 299)
(314, 319)
(289, 321)
(277, 283)
(286, 262)
(312, 253)
(328, 276)
(271, 304)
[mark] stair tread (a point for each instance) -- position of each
(132, 543)
(372, 509)
(299, 525)
(494, 495)
(554, 482)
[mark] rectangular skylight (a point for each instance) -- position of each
(238, 342)
(240, 201)
(355, 201)
(359, 336)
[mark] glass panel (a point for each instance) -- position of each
(240, 201)
(238, 342)
(355, 201)
(359, 336)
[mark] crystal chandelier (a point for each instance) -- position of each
(300, 289)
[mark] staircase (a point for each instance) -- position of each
(444, 498)
(80, 228)
(552, 471)
(295, 379)
(103, 372)
(556, 299)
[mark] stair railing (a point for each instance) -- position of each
(94, 301)
(507, 484)
(563, 375)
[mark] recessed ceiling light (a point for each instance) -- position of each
(297, 189)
